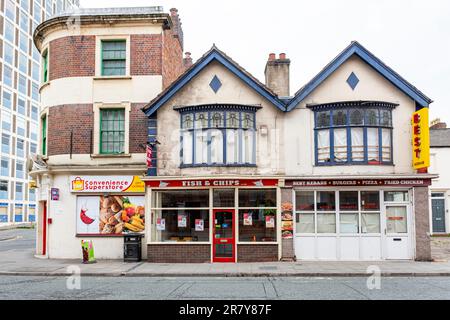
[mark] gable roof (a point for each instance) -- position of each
(356, 48)
(214, 54)
(440, 138)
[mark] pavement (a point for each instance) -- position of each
(17, 259)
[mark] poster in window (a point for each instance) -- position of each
(110, 215)
(160, 224)
(248, 219)
(199, 225)
(182, 221)
(270, 222)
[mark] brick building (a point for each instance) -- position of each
(210, 164)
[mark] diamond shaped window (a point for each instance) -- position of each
(215, 84)
(353, 81)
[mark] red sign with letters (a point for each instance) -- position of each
(360, 183)
(213, 183)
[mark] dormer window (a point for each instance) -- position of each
(218, 135)
(357, 132)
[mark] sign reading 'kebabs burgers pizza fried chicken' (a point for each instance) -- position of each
(110, 215)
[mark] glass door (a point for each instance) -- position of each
(397, 225)
(223, 237)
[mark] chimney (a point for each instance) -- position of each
(438, 124)
(177, 29)
(187, 60)
(277, 74)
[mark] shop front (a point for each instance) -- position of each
(359, 219)
(213, 220)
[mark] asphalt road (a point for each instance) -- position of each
(30, 288)
(17, 239)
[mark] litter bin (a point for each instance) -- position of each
(132, 247)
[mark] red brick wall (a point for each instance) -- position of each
(146, 53)
(172, 58)
(138, 128)
(257, 253)
(79, 118)
(183, 253)
(61, 121)
(72, 56)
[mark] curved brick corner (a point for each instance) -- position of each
(72, 56)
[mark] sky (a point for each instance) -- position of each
(410, 36)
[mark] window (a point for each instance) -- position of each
(10, 9)
(114, 58)
(112, 131)
(218, 137)
(37, 13)
(4, 189)
(45, 66)
(396, 196)
(21, 106)
(20, 148)
(44, 135)
(23, 42)
(35, 91)
(354, 135)
(34, 113)
(9, 54)
(32, 196)
(33, 148)
(5, 167)
(6, 120)
(21, 127)
(257, 215)
(23, 85)
(24, 4)
(35, 72)
(9, 31)
(23, 63)
(6, 143)
(19, 191)
(7, 76)
(24, 22)
(358, 212)
(33, 131)
(178, 212)
(20, 173)
(7, 102)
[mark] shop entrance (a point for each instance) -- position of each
(223, 236)
(397, 225)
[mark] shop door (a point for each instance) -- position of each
(397, 234)
(438, 208)
(223, 237)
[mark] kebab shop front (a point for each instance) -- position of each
(108, 207)
(213, 220)
(358, 219)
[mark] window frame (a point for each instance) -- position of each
(102, 152)
(44, 125)
(348, 129)
(45, 59)
(102, 71)
(224, 128)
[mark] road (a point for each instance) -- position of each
(17, 239)
(29, 288)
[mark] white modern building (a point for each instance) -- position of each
(20, 66)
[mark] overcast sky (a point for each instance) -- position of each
(410, 36)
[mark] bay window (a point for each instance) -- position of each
(353, 133)
(218, 135)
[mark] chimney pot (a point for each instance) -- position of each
(174, 11)
(277, 74)
(282, 56)
(272, 56)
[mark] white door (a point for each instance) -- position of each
(397, 240)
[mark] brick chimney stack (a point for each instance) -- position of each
(277, 74)
(437, 124)
(187, 60)
(177, 29)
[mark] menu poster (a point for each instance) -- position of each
(248, 219)
(182, 221)
(270, 222)
(160, 224)
(199, 225)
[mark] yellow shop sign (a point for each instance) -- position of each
(421, 139)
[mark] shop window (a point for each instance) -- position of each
(114, 58)
(182, 199)
(224, 198)
(218, 137)
(257, 222)
(396, 196)
(353, 135)
(112, 131)
(358, 212)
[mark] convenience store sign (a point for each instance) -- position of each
(95, 184)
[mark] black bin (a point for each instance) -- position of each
(132, 247)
